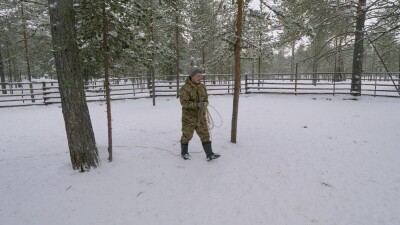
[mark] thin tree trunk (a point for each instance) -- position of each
(260, 44)
(315, 63)
(341, 69)
(177, 49)
(236, 51)
(106, 79)
(335, 66)
(292, 60)
(152, 72)
(81, 140)
(358, 54)
(10, 72)
(27, 58)
(2, 75)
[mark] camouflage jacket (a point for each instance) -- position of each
(190, 94)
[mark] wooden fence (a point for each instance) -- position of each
(373, 84)
(44, 92)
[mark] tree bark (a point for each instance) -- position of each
(10, 72)
(81, 140)
(315, 61)
(358, 54)
(292, 60)
(236, 54)
(152, 35)
(2, 76)
(177, 34)
(342, 75)
(106, 79)
(27, 58)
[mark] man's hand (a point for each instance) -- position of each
(201, 104)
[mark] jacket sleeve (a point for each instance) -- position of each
(186, 102)
(206, 98)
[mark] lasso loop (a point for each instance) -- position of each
(211, 123)
(209, 120)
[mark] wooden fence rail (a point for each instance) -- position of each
(46, 92)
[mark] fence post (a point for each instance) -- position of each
(44, 92)
(153, 79)
(245, 83)
(177, 85)
(229, 84)
(295, 80)
(3, 87)
(22, 93)
(398, 81)
(334, 84)
(376, 79)
(32, 92)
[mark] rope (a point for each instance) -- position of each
(209, 120)
(157, 148)
(163, 149)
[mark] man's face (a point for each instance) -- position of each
(197, 78)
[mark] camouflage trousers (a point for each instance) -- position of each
(191, 123)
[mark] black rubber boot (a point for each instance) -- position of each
(185, 151)
(208, 150)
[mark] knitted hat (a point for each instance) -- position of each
(194, 71)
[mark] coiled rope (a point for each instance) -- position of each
(209, 119)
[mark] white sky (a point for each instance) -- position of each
(254, 4)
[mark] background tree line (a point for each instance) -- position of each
(170, 36)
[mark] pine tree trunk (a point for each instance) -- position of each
(107, 82)
(177, 34)
(292, 60)
(10, 72)
(358, 54)
(152, 71)
(2, 76)
(315, 62)
(342, 75)
(236, 54)
(81, 140)
(27, 58)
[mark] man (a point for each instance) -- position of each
(194, 100)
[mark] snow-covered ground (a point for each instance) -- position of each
(298, 160)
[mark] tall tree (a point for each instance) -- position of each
(2, 74)
(81, 140)
(106, 78)
(236, 53)
(358, 54)
(27, 57)
(177, 48)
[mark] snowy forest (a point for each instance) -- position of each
(171, 36)
(314, 141)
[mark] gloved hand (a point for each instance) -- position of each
(201, 104)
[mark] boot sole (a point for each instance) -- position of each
(211, 159)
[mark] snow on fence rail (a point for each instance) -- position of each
(373, 84)
(44, 92)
